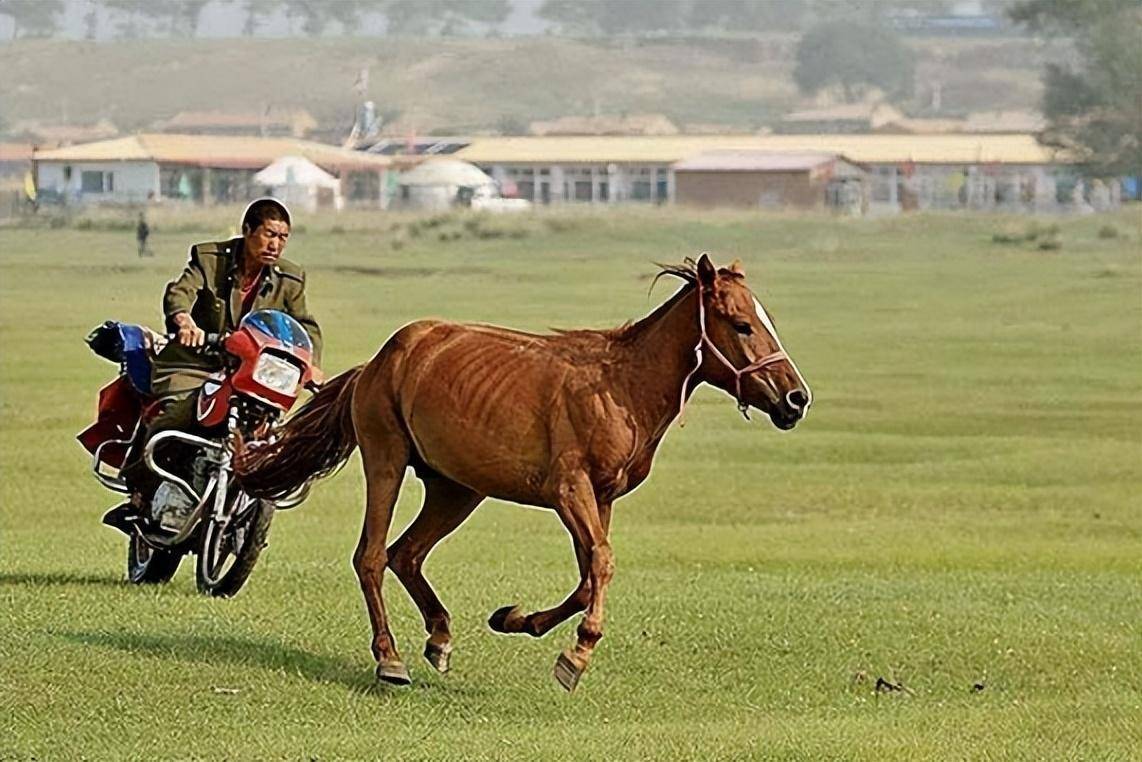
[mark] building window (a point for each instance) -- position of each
(97, 182)
(525, 189)
(582, 190)
(883, 183)
(640, 190)
(364, 186)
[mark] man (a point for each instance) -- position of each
(222, 282)
(142, 232)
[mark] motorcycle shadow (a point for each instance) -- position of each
(61, 579)
(218, 650)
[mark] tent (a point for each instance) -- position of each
(441, 183)
(301, 183)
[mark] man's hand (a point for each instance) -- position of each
(189, 334)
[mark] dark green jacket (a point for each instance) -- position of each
(209, 289)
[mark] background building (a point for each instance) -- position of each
(767, 179)
(905, 172)
(196, 168)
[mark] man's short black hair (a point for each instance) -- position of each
(261, 210)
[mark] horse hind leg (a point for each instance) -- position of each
(385, 453)
(446, 505)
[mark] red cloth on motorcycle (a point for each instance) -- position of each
(119, 407)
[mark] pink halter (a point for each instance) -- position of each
(704, 341)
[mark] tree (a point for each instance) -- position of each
(312, 14)
(571, 17)
(1093, 106)
(32, 18)
(853, 56)
(132, 16)
(184, 15)
(747, 15)
(446, 17)
(610, 17)
(91, 21)
(256, 12)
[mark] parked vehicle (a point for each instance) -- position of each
(198, 507)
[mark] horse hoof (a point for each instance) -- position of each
(438, 656)
(393, 673)
(568, 672)
(507, 620)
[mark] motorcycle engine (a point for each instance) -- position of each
(171, 507)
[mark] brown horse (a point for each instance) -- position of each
(569, 421)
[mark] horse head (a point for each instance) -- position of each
(741, 353)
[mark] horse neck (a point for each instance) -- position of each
(658, 359)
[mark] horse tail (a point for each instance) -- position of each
(312, 444)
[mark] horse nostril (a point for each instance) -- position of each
(797, 399)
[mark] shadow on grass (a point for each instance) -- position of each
(230, 649)
(216, 650)
(60, 579)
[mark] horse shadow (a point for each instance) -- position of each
(263, 653)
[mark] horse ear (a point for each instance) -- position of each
(737, 267)
(707, 273)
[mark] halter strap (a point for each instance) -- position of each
(704, 341)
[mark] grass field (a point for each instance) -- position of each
(959, 515)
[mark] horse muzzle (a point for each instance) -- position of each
(794, 405)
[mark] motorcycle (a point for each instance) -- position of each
(198, 506)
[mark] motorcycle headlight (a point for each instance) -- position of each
(277, 374)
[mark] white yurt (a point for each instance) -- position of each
(300, 183)
(443, 183)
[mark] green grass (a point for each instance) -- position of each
(961, 507)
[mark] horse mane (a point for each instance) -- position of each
(602, 338)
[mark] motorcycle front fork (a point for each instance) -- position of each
(223, 461)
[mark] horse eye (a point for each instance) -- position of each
(743, 328)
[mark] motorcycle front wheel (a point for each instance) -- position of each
(150, 566)
(230, 551)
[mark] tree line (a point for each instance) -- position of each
(180, 18)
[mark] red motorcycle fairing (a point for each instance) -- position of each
(214, 401)
(248, 344)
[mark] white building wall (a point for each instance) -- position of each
(121, 181)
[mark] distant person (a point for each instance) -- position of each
(142, 233)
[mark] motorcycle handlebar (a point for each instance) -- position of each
(213, 340)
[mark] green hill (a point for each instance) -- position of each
(468, 85)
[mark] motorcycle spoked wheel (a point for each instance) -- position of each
(228, 554)
(150, 566)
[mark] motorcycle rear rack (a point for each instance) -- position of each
(114, 483)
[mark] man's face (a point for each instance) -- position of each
(268, 241)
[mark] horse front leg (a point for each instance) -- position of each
(583, 518)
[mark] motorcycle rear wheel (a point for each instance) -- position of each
(228, 555)
(150, 566)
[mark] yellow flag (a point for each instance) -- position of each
(30, 186)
